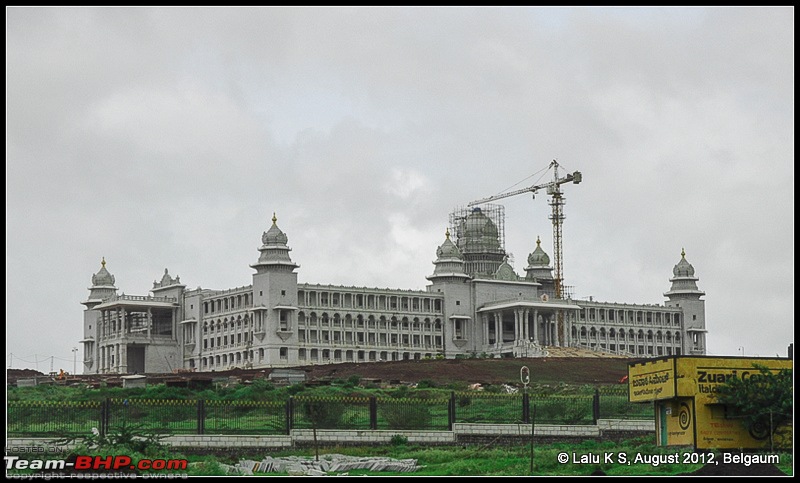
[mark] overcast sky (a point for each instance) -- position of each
(166, 138)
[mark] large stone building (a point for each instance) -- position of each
(475, 304)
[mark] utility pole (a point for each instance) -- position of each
(74, 360)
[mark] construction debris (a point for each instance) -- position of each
(329, 463)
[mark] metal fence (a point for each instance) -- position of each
(174, 416)
(53, 418)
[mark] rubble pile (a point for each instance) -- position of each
(329, 463)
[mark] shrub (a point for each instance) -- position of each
(353, 381)
(425, 383)
(403, 415)
(398, 440)
(295, 388)
(323, 414)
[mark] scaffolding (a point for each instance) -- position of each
(480, 236)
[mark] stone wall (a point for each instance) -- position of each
(462, 433)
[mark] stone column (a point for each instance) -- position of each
(536, 326)
(498, 328)
(149, 320)
(485, 321)
(526, 314)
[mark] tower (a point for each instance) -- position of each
(539, 269)
(685, 294)
(274, 293)
(101, 289)
(450, 279)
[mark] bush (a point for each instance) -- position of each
(403, 415)
(323, 414)
(295, 388)
(425, 383)
(398, 440)
(353, 381)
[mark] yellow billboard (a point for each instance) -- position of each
(652, 380)
(687, 410)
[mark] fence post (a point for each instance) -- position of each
(526, 408)
(373, 412)
(451, 411)
(289, 414)
(201, 416)
(596, 406)
(105, 416)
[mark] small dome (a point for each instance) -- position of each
(538, 257)
(683, 268)
(103, 278)
(448, 249)
(274, 236)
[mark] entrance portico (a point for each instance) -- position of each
(510, 325)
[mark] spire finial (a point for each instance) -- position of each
(538, 242)
(447, 233)
(683, 253)
(274, 218)
(103, 262)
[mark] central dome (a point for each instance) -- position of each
(477, 232)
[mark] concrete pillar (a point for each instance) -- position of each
(498, 329)
(485, 321)
(536, 326)
(526, 314)
(149, 320)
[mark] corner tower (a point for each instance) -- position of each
(450, 280)
(102, 288)
(539, 269)
(685, 294)
(274, 293)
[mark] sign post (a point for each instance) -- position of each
(525, 378)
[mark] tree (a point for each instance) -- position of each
(763, 400)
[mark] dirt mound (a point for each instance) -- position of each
(545, 370)
(13, 374)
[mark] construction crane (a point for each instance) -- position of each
(557, 216)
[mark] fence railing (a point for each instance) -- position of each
(199, 416)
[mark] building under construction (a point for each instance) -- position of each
(476, 304)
